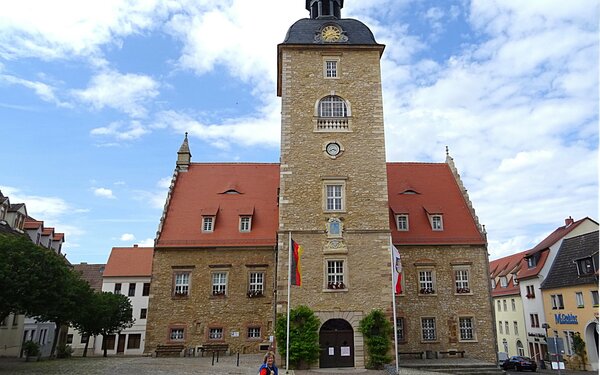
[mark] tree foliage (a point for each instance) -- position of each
(578, 347)
(304, 336)
(377, 331)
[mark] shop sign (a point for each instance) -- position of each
(565, 319)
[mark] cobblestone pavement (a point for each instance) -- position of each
(248, 365)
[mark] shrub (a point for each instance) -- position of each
(377, 331)
(31, 349)
(64, 351)
(304, 337)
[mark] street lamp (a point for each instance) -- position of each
(545, 326)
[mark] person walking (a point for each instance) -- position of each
(268, 367)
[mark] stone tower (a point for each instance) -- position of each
(333, 186)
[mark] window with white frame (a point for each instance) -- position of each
(520, 349)
(513, 304)
(256, 284)
(402, 222)
(557, 302)
(595, 298)
(466, 328)
(500, 327)
(516, 327)
(428, 330)
(437, 222)
(219, 283)
(208, 223)
(506, 330)
(530, 291)
(334, 197)
(245, 223)
(493, 282)
(568, 342)
(215, 333)
(400, 328)
(176, 334)
(461, 280)
(426, 282)
(331, 68)
(182, 283)
(579, 299)
(253, 332)
(335, 274)
(532, 260)
(332, 106)
(504, 304)
(503, 282)
(117, 288)
(499, 305)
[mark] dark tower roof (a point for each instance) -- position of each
(307, 30)
(320, 9)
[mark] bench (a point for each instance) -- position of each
(213, 348)
(169, 350)
(420, 354)
(452, 352)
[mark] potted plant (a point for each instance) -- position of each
(31, 349)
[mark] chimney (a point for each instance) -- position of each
(135, 245)
(569, 221)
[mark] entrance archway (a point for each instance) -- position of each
(336, 340)
(591, 344)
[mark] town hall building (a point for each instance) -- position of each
(220, 265)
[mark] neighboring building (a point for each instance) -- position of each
(128, 272)
(92, 273)
(44, 236)
(570, 295)
(508, 306)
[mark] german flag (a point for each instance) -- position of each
(296, 276)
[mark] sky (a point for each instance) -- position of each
(95, 98)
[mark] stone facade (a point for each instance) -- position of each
(196, 314)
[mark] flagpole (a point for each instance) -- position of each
(287, 336)
(393, 304)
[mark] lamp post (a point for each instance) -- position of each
(556, 350)
(545, 326)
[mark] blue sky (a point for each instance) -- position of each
(95, 97)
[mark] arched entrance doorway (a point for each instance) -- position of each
(591, 343)
(336, 340)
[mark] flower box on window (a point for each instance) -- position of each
(463, 290)
(530, 296)
(180, 294)
(427, 291)
(254, 293)
(218, 292)
(338, 285)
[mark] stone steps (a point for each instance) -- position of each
(462, 368)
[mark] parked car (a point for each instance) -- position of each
(519, 363)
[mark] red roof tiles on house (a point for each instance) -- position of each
(506, 267)
(32, 224)
(129, 261)
(437, 192)
(92, 273)
(202, 190)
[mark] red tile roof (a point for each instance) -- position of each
(553, 237)
(202, 190)
(92, 273)
(59, 237)
(437, 192)
(506, 266)
(32, 224)
(48, 231)
(129, 261)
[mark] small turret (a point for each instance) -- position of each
(184, 156)
(325, 9)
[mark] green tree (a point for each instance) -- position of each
(304, 336)
(377, 331)
(578, 347)
(114, 313)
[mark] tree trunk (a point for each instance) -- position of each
(86, 347)
(104, 346)
(55, 341)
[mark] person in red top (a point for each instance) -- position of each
(268, 367)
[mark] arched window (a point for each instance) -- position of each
(520, 350)
(332, 106)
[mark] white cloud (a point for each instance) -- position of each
(125, 92)
(104, 193)
(120, 132)
(148, 242)
(127, 237)
(39, 207)
(42, 90)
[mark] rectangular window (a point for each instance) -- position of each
(436, 222)
(118, 288)
(334, 198)
(428, 329)
(426, 282)
(585, 266)
(500, 327)
(595, 298)
(400, 329)
(516, 327)
(208, 223)
(503, 282)
(535, 321)
(530, 291)
(532, 261)
(182, 284)
(143, 313)
(335, 274)
(568, 342)
(131, 290)
(504, 304)
(506, 328)
(461, 281)
(176, 334)
(499, 306)
(133, 340)
(245, 222)
(256, 284)
(466, 328)
(579, 298)
(253, 332)
(69, 338)
(215, 334)
(146, 290)
(513, 304)
(84, 339)
(219, 283)
(108, 342)
(557, 302)
(330, 68)
(402, 222)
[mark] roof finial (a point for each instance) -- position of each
(184, 155)
(447, 151)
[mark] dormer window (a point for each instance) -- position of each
(402, 222)
(208, 223)
(532, 261)
(585, 266)
(436, 222)
(503, 282)
(245, 223)
(493, 283)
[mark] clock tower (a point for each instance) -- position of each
(333, 197)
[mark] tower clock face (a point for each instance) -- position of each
(331, 33)
(332, 149)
